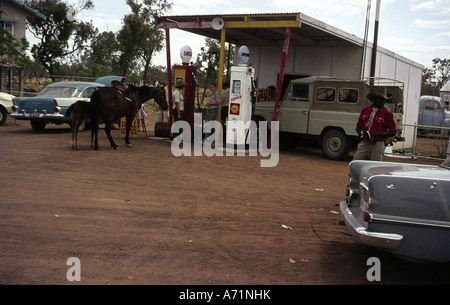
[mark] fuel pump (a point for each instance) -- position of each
(242, 99)
(186, 73)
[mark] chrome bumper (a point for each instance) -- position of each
(37, 116)
(389, 241)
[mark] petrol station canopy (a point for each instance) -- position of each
(262, 29)
(270, 31)
(257, 30)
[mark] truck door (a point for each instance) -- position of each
(294, 110)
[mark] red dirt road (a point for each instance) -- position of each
(142, 216)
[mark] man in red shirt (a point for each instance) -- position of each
(376, 124)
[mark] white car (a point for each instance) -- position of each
(6, 102)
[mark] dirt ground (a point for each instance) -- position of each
(142, 216)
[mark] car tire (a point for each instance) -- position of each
(3, 115)
(335, 144)
(37, 125)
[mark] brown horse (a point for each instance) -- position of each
(111, 105)
(80, 110)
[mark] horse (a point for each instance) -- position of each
(118, 107)
(112, 105)
(80, 110)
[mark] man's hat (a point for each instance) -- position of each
(375, 94)
(179, 83)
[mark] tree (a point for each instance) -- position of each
(434, 78)
(139, 37)
(442, 66)
(102, 56)
(208, 61)
(12, 50)
(59, 36)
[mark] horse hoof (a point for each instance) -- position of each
(129, 145)
(115, 147)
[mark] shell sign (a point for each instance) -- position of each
(235, 108)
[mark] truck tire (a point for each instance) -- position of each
(334, 144)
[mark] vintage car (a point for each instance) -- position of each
(107, 80)
(401, 208)
(6, 103)
(51, 105)
(433, 116)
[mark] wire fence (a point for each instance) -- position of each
(14, 84)
(423, 141)
(32, 87)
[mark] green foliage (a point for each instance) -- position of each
(59, 36)
(208, 63)
(102, 56)
(12, 50)
(434, 78)
(139, 37)
(73, 48)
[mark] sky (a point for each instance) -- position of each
(416, 29)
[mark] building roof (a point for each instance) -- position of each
(31, 11)
(309, 32)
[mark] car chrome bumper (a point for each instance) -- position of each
(37, 116)
(389, 241)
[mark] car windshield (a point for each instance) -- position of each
(56, 91)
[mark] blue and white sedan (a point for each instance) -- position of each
(401, 208)
(51, 105)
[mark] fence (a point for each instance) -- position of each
(423, 142)
(16, 83)
(28, 87)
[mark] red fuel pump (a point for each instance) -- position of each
(186, 73)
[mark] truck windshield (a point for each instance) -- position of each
(300, 91)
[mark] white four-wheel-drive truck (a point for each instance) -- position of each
(326, 110)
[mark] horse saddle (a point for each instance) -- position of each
(121, 89)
